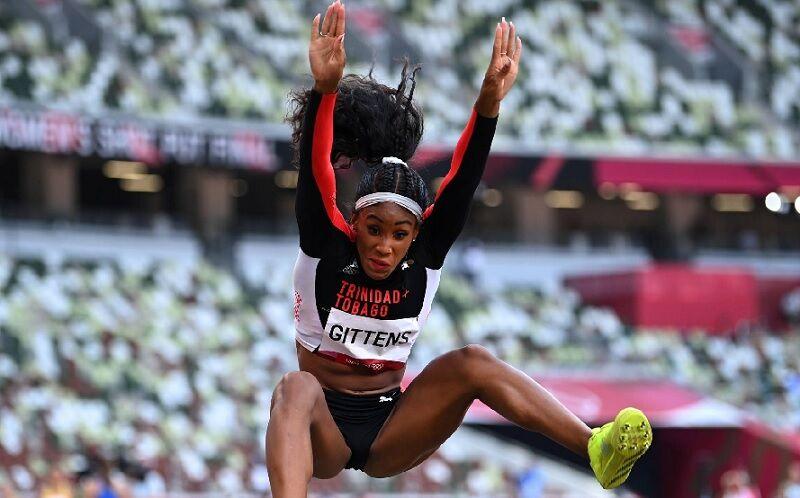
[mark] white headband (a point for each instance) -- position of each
(400, 200)
(393, 160)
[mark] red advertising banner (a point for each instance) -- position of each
(675, 296)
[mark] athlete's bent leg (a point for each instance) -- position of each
(302, 438)
(435, 403)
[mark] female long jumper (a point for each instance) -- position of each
(364, 288)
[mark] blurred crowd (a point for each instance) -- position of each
(35, 68)
(143, 378)
(593, 73)
(592, 78)
(764, 31)
(163, 366)
(546, 331)
(124, 381)
(184, 50)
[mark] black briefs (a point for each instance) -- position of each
(360, 419)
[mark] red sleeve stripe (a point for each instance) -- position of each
(455, 164)
(321, 162)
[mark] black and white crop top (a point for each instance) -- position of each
(339, 312)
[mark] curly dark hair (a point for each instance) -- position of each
(371, 120)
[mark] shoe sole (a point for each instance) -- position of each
(630, 438)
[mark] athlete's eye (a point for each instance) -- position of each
(400, 235)
(373, 230)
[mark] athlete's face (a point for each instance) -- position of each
(384, 233)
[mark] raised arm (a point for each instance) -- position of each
(318, 217)
(446, 217)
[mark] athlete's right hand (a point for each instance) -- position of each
(326, 50)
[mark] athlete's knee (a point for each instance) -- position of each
(296, 390)
(472, 360)
(466, 363)
(473, 354)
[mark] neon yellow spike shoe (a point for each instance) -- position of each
(615, 447)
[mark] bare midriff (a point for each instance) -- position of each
(345, 378)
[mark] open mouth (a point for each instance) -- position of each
(378, 265)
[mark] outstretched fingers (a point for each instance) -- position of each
(329, 18)
(339, 30)
(498, 43)
(517, 50)
(503, 68)
(332, 24)
(315, 28)
(511, 41)
(504, 37)
(326, 52)
(507, 45)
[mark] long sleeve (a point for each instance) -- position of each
(445, 218)
(318, 217)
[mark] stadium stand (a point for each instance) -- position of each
(147, 363)
(32, 68)
(178, 51)
(765, 32)
(547, 331)
(595, 75)
(167, 364)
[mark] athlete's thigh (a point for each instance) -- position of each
(293, 395)
(428, 412)
(330, 450)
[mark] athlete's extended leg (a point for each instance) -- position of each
(302, 438)
(435, 403)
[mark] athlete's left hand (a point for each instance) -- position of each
(502, 71)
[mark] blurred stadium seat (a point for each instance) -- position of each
(171, 366)
(595, 74)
